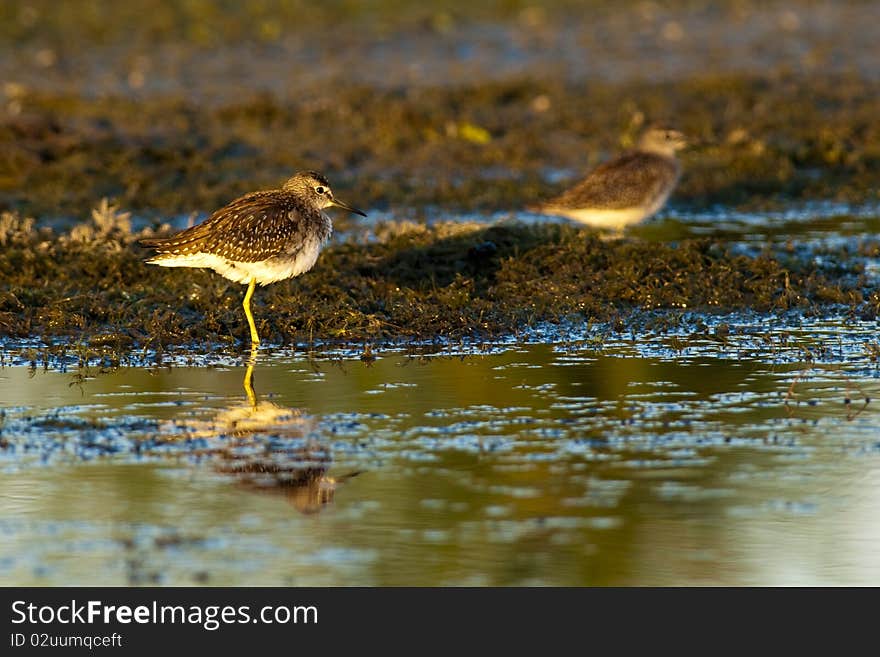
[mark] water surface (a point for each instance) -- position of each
(745, 455)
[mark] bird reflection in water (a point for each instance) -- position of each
(273, 449)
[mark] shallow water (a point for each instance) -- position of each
(723, 456)
(811, 219)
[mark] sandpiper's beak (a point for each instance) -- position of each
(345, 206)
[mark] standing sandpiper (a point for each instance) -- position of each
(262, 237)
(626, 190)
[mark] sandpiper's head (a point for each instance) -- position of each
(313, 187)
(664, 141)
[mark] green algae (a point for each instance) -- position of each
(410, 282)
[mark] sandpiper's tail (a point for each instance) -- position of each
(167, 261)
(176, 250)
(154, 243)
(165, 255)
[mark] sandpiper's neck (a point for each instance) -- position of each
(326, 227)
(663, 150)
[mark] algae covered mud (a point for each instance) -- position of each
(460, 392)
(746, 455)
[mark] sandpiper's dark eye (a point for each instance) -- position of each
(320, 189)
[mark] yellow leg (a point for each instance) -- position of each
(255, 339)
(249, 378)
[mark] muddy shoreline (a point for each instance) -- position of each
(410, 282)
(760, 142)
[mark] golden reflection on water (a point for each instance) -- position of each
(268, 448)
(532, 466)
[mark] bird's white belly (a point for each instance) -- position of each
(613, 219)
(268, 271)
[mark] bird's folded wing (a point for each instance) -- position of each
(628, 181)
(254, 227)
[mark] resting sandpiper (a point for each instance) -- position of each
(627, 189)
(262, 237)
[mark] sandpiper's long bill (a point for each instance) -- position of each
(627, 189)
(262, 237)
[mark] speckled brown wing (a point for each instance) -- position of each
(631, 180)
(252, 228)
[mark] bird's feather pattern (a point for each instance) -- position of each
(631, 180)
(252, 228)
